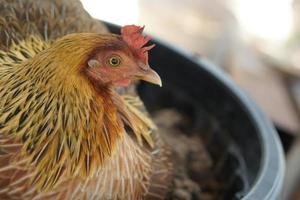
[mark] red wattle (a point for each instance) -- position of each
(122, 82)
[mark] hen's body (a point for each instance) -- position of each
(56, 143)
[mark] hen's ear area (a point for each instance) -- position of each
(93, 63)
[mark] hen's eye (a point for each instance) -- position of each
(114, 61)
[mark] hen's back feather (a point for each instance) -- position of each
(20, 19)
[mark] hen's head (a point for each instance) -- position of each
(125, 59)
(108, 59)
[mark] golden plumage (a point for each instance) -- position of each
(60, 139)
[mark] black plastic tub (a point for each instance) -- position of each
(241, 137)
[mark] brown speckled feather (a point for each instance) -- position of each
(49, 19)
(45, 152)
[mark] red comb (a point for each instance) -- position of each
(133, 36)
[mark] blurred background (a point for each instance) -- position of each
(257, 42)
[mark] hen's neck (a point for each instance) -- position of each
(65, 128)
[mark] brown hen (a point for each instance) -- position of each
(65, 131)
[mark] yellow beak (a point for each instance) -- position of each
(151, 76)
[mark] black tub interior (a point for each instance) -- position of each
(217, 115)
